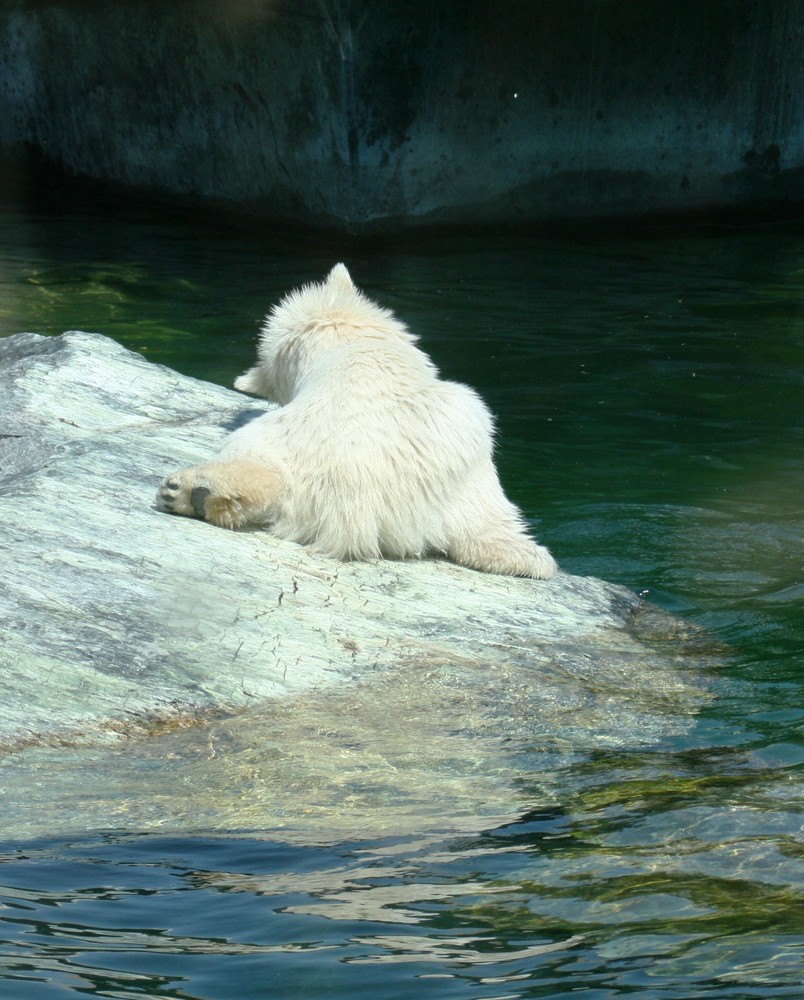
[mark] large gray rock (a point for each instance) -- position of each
(158, 663)
(368, 115)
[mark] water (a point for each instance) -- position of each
(650, 397)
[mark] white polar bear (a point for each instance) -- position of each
(370, 454)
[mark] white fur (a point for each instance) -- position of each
(371, 454)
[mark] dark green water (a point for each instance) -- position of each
(650, 396)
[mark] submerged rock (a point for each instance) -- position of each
(169, 661)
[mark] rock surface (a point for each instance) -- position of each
(371, 115)
(132, 639)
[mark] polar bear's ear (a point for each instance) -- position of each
(340, 277)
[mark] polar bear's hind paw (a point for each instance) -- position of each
(183, 494)
(229, 494)
(177, 496)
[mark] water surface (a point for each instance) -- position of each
(649, 389)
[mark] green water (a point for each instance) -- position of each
(650, 398)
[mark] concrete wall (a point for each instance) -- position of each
(361, 112)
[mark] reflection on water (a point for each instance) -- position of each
(650, 392)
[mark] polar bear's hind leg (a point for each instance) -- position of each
(487, 532)
(511, 554)
(229, 494)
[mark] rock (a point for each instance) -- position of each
(131, 637)
(370, 116)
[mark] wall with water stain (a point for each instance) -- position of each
(362, 113)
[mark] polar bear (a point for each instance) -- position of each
(370, 454)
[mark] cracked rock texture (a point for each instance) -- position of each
(158, 663)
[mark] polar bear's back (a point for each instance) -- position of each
(378, 447)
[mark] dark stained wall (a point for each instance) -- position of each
(363, 112)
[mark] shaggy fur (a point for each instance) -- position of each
(371, 454)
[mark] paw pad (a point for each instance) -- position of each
(198, 497)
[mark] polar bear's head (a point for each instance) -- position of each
(310, 321)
